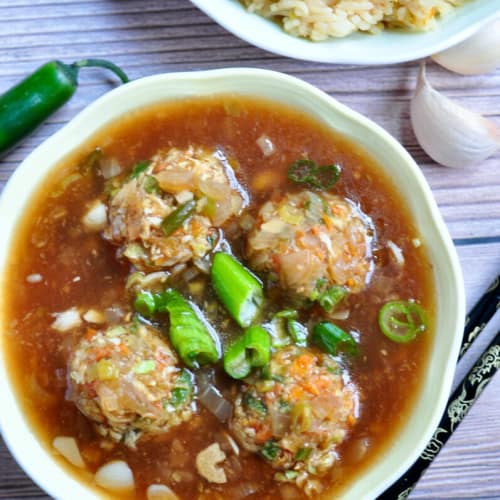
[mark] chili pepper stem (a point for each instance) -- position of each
(100, 63)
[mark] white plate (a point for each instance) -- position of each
(387, 47)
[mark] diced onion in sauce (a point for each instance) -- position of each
(34, 278)
(266, 145)
(94, 316)
(115, 476)
(160, 492)
(96, 217)
(68, 448)
(67, 320)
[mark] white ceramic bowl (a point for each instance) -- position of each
(387, 47)
(38, 462)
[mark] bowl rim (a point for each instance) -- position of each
(35, 168)
(260, 32)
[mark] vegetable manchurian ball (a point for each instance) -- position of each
(127, 380)
(197, 181)
(298, 414)
(311, 241)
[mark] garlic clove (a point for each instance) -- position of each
(478, 54)
(450, 134)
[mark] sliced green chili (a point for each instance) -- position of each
(251, 350)
(330, 338)
(175, 219)
(237, 288)
(188, 334)
(401, 321)
(182, 390)
(309, 173)
(30, 102)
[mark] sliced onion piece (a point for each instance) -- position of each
(115, 476)
(68, 448)
(160, 492)
(210, 397)
(110, 168)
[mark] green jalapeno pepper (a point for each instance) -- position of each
(30, 102)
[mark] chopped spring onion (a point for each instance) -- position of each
(175, 219)
(287, 313)
(331, 297)
(251, 350)
(303, 453)
(188, 334)
(286, 476)
(182, 390)
(330, 338)
(298, 332)
(270, 450)
(145, 366)
(145, 304)
(401, 321)
(151, 185)
(308, 172)
(255, 404)
(139, 168)
(237, 288)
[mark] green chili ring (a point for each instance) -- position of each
(401, 321)
(26, 105)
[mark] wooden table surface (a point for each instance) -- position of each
(156, 36)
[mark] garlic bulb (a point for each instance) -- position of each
(479, 53)
(450, 134)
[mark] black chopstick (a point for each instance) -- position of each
(465, 394)
(480, 314)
